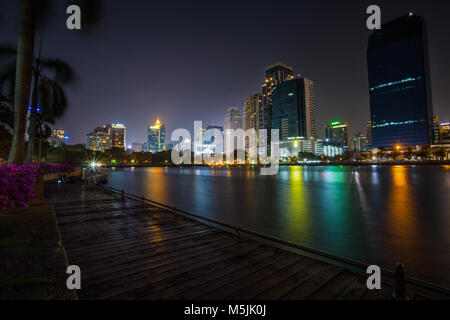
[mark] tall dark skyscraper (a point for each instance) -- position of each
(399, 82)
(293, 109)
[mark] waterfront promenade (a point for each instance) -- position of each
(127, 249)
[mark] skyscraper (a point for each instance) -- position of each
(436, 130)
(233, 119)
(99, 139)
(251, 118)
(360, 143)
(399, 82)
(107, 137)
(369, 135)
(118, 133)
(58, 138)
(275, 75)
(293, 109)
(339, 134)
(156, 137)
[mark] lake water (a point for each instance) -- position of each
(376, 214)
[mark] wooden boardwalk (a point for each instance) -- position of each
(126, 251)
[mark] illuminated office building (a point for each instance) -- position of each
(251, 118)
(99, 139)
(293, 109)
(118, 133)
(399, 83)
(339, 134)
(58, 138)
(360, 143)
(156, 137)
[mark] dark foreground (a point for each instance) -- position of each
(32, 260)
(126, 251)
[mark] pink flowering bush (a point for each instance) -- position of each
(18, 183)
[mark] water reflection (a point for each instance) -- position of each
(297, 218)
(401, 212)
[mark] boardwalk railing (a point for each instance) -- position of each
(398, 275)
(98, 177)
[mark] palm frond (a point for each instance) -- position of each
(52, 100)
(62, 71)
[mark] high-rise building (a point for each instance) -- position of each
(118, 134)
(399, 82)
(445, 132)
(276, 74)
(233, 119)
(293, 109)
(339, 134)
(369, 135)
(436, 130)
(99, 139)
(156, 137)
(360, 143)
(251, 118)
(58, 138)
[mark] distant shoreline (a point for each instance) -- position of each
(330, 164)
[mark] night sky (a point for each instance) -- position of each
(192, 60)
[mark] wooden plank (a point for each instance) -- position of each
(308, 287)
(146, 250)
(265, 284)
(202, 276)
(334, 287)
(153, 256)
(92, 237)
(181, 276)
(355, 291)
(284, 287)
(221, 279)
(101, 247)
(240, 284)
(136, 281)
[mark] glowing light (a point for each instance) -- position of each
(157, 125)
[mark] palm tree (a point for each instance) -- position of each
(25, 54)
(48, 100)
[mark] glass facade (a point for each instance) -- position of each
(156, 138)
(399, 84)
(339, 134)
(293, 109)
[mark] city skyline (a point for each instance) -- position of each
(342, 87)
